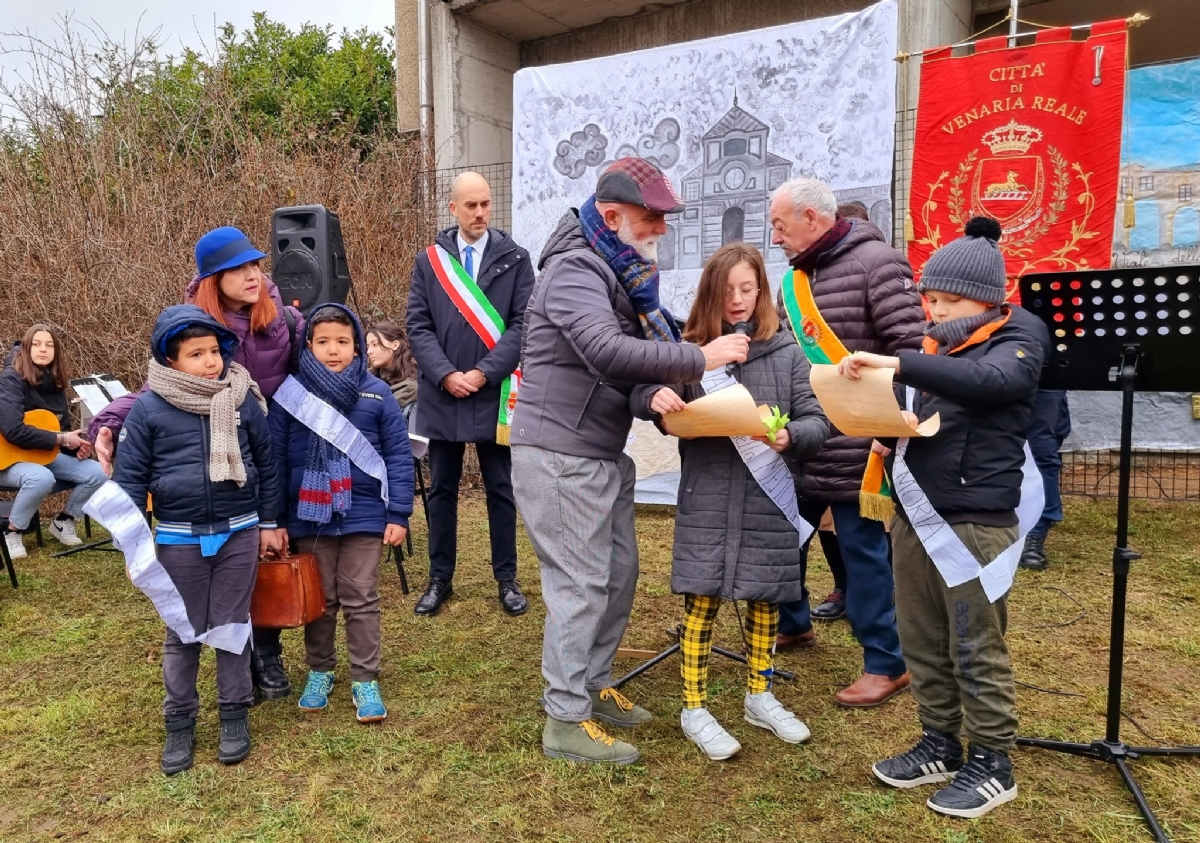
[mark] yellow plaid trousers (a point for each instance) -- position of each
(695, 644)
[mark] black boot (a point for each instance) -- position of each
(1033, 556)
(180, 746)
(235, 734)
(266, 668)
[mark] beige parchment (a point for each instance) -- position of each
(865, 407)
(727, 412)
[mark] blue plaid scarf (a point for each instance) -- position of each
(325, 487)
(637, 275)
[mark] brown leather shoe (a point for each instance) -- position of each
(803, 640)
(872, 689)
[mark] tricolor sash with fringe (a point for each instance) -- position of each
(484, 320)
(821, 345)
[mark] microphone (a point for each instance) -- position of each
(742, 328)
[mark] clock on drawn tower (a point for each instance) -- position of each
(727, 193)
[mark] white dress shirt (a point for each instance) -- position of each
(476, 252)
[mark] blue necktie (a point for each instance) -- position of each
(469, 263)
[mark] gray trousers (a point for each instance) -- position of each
(350, 579)
(216, 590)
(579, 516)
(953, 639)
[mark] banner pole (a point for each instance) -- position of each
(1012, 23)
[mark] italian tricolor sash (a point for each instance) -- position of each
(483, 319)
(821, 345)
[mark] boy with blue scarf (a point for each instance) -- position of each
(343, 499)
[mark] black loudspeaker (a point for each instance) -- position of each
(308, 257)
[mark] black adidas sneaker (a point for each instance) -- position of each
(985, 782)
(935, 758)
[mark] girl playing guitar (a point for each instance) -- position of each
(37, 380)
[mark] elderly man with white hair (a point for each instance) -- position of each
(848, 291)
(594, 330)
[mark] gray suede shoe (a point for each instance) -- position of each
(614, 708)
(584, 743)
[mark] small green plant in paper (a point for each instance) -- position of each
(775, 423)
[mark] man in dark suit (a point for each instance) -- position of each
(466, 359)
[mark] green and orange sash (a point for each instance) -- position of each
(821, 345)
(484, 320)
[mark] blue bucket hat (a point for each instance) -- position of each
(224, 248)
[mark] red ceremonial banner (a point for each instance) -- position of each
(1030, 136)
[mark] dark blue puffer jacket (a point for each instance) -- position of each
(377, 416)
(164, 450)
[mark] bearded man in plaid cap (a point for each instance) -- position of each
(594, 330)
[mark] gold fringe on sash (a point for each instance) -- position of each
(503, 432)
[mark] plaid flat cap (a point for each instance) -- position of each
(636, 181)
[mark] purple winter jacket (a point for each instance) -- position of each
(269, 357)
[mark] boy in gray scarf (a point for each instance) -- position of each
(199, 439)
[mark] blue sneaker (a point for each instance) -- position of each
(316, 691)
(370, 705)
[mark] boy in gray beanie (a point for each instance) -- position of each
(980, 369)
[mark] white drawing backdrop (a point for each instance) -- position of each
(728, 119)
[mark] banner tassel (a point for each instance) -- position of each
(875, 506)
(909, 233)
(1130, 220)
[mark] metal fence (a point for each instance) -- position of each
(1158, 474)
(433, 194)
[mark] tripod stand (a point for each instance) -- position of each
(785, 675)
(1165, 342)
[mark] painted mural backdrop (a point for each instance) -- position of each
(728, 119)
(1160, 169)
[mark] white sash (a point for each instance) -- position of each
(333, 427)
(767, 467)
(126, 523)
(953, 560)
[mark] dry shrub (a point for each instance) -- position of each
(99, 214)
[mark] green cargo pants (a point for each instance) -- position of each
(953, 639)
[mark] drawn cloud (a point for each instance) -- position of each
(581, 150)
(660, 146)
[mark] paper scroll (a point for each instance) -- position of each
(728, 412)
(865, 407)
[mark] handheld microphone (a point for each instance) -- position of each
(742, 328)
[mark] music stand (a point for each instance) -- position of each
(1128, 330)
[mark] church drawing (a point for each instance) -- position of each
(727, 195)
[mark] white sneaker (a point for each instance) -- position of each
(16, 544)
(704, 731)
(766, 712)
(63, 529)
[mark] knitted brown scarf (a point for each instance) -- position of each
(219, 400)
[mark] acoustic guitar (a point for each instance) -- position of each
(10, 454)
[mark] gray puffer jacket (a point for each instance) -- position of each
(864, 290)
(731, 540)
(583, 351)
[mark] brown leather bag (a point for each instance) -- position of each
(287, 593)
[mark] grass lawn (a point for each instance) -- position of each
(459, 759)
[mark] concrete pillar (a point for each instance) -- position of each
(922, 24)
(472, 91)
(407, 100)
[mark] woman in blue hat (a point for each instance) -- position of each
(231, 287)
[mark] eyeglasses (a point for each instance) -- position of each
(744, 293)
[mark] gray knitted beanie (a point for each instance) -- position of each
(971, 266)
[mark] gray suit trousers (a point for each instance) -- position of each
(579, 516)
